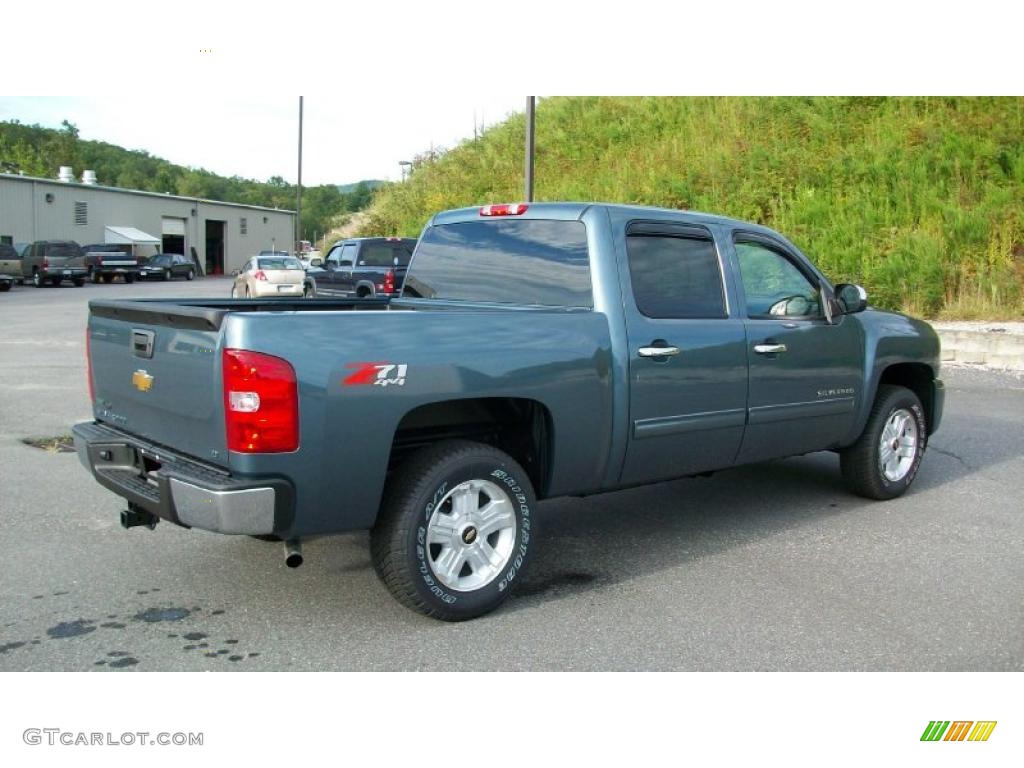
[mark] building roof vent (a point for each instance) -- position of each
(89, 177)
(67, 174)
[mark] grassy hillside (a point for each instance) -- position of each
(921, 200)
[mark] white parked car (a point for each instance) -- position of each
(261, 276)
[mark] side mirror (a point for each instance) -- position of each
(852, 298)
(316, 262)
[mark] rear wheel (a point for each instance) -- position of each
(455, 531)
(5, 286)
(884, 461)
(129, 278)
(78, 281)
(38, 280)
(108, 278)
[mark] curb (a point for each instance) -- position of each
(989, 344)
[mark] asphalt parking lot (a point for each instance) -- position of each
(770, 567)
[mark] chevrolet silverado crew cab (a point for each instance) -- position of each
(536, 351)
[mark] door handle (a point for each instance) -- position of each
(658, 351)
(769, 349)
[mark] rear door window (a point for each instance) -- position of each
(675, 274)
(525, 261)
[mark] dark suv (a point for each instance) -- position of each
(363, 267)
(48, 262)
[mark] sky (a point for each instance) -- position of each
(257, 137)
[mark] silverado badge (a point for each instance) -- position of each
(142, 380)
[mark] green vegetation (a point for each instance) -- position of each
(37, 151)
(919, 199)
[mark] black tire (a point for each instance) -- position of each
(5, 286)
(78, 281)
(108, 279)
(38, 280)
(861, 463)
(421, 486)
(94, 276)
(308, 292)
(167, 274)
(129, 279)
(190, 274)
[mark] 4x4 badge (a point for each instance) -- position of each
(377, 374)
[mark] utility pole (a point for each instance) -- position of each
(529, 147)
(298, 198)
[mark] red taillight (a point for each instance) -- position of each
(261, 403)
(88, 367)
(513, 209)
(46, 263)
(259, 274)
(389, 281)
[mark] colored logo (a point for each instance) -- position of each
(142, 381)
(958, 730)
(377, 374)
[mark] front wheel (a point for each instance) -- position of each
(884, 461)
(455, 531)
(190, 274)
(167, 274)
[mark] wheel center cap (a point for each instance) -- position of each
(469, 534)
(895, 445)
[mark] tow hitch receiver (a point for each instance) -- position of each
(135, 516)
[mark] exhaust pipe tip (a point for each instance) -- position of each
(293, 553)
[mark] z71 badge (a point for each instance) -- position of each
(377, 374)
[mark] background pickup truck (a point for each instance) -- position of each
(536, 351)
(363, 267)
(106, 261)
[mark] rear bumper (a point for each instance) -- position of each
(64, 272)
(179, 489)
(262, 290)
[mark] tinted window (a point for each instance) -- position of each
(675, 277)
(67, 250)
(160, 261)
(384, 254)
(7, 251)
(513, 262)
(773, 285)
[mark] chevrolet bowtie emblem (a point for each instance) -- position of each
(142, 381)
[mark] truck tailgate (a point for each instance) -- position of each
(156, 374)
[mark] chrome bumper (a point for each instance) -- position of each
(180, 490)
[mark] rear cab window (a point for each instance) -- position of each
(532, 262)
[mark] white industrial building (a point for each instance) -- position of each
(221, 236)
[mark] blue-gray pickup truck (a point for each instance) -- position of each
(536, 351)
